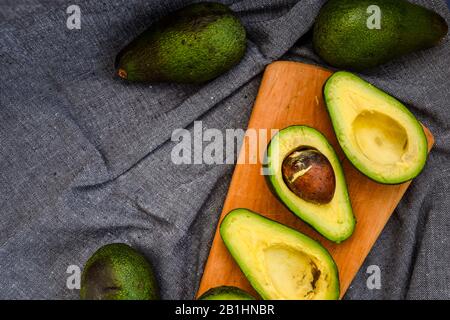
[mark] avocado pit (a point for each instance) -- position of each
(309, 175)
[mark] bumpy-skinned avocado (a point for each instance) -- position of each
(226, 293)
(192, 45)
(118, 272)
(343, 39)
(279, 262)
(322, 200)
(378, 134)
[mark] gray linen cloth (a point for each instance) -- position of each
(85, 157)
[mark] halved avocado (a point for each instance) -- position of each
(334, 219)
(378, 134)
(226, 293)
(279, 262)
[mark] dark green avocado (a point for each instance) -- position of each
(192, 45)
(118, 272)
(343, 39)
(226, 293)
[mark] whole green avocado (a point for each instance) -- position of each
(118, 272)
(342, 36)
(226, 293)
(192, 45)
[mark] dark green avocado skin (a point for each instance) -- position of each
(342, 38)
(192, 45)
(118, 272)
(226, 293)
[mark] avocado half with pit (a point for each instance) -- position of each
(279, 262)
(305, 174)
(377, 133)
(226, 293)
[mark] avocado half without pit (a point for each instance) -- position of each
(306, 176)
(378, 134)
(279, 262)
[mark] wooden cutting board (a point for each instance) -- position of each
(291, 94)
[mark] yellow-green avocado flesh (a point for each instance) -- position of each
(334, 220)
(279, 262)
(378, 134)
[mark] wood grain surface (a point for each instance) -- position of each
(291, 94)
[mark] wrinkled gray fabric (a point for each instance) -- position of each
(85, 157)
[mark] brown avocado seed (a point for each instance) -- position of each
(309, 175)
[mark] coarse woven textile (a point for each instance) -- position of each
(85, 157)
